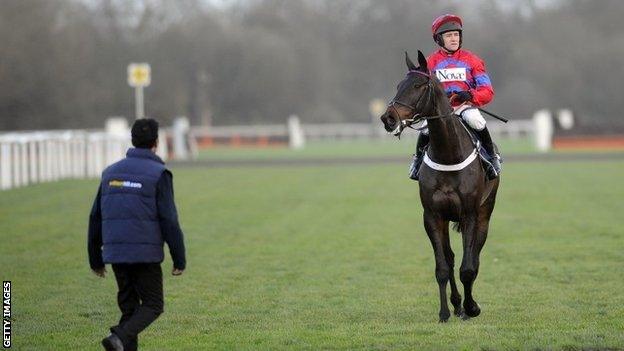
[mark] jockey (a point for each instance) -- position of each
(466, 83)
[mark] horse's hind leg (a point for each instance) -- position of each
(450, 261)
(435, 230)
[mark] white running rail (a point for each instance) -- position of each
(43, 156)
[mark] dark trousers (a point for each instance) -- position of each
(140, 299)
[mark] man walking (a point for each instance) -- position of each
(132, 217)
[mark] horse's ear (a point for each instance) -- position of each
(422, 61)
(410, 65)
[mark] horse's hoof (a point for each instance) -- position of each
(472, 310)
(444, 315)
(459, 312)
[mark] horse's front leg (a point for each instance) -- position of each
(470, 265)
(434, 226)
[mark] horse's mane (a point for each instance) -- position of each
(439, 95)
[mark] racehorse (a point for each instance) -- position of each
(453, 183)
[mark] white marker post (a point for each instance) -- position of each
(139, 76)
(543, 122)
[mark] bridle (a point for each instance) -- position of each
(417, 108)
(416, 111)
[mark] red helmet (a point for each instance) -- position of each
(443, 24)
(446, 23)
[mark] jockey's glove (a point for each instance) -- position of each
(462, 96)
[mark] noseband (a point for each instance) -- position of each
(417, 108)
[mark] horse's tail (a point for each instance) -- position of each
(458, 227)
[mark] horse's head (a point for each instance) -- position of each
(414, 97)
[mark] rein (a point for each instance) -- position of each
(416, 117)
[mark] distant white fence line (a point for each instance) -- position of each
(42, 156)
(339, 131)
(513, 129)
(308, 131)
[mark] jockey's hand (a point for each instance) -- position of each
(462, 96)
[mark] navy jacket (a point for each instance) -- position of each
(134, 214)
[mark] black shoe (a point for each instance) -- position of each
(495, 170)
(112, 343)
(415, 166)
(421, 146)
(486, 140)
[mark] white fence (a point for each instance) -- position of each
(339, 131)
(513, 129)
(34, 157)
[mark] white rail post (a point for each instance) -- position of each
(117, 133)
(98, 155)
(24, 159)
(543, 130)
(77, 156)
(71, 155)
(179, 133)
(61, 156)
(163, 149)
(82, 156)
(44, 169)
(67, 144)
(45, 149)
(565, 117)
(89, 160)
(296, 138)
(32, 156)
(5, 165)
(53, 158)
(16, 163)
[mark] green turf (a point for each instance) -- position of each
(332, 258)
(386, 146)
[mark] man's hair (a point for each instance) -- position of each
(144, 133)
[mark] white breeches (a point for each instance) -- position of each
(471, 115)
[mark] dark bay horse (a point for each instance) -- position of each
(453, 184)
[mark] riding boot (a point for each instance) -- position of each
(421, 145)
(488, 145)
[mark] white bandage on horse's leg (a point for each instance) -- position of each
(423, 129)
(473, 117)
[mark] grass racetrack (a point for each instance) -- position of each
(332, 257)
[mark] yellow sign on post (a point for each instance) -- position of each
(139, 74)
(376, 107)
